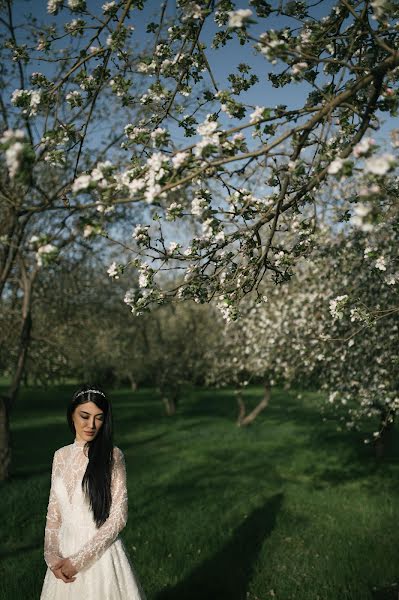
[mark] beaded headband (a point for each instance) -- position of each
(87, 391)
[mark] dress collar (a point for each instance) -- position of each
(79, 443)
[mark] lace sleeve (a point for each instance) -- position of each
(53, 519)
(117, 519)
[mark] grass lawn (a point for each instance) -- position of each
(288, 508)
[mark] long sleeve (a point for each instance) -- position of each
(53, 520)
(117, 519)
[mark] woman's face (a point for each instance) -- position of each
(88, 420)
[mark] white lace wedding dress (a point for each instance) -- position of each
(104, 569)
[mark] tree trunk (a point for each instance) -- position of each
(170, 406)
(25, 335)
(381, 443)
(170, 402)
(5, 446)
(245, 419)
(133, 383)
(14, 231)
(8, 402)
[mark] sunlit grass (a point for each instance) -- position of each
(288, 508)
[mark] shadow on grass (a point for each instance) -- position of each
(227, 574)
(18, 551)
(345, 456)
(390, 592)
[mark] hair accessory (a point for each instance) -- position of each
(87, 391)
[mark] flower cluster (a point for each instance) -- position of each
(141, 234)
(28, 100)
(13, 142)
(238, 18)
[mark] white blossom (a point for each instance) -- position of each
(207, 230)
(11, 135)
(45, 250)
(198, 206)
(238, 17)
(173, 246)
(145, 273)
(53, 6)
(391, 279)
(88, 230)
(102, 208)
(28, 100)
(74, 98)
(179, 159)
(378, 7)
(207, 127)
(297, 68)
(380, 165)
(14, 155)
(156, 171)
(140, 233)
(101, 173)
(108, 7)
(256, 114)
(380, 263)
(129, 296)
(136, 185)
(227, 310)
(159, 136)
(337, 304)
(363, 147)
(209, 140)
(360, 218)
(77, 4)
(113, 270)
(81, 183)
(133, 132)
(367, 251)
(335, 166)
(87, 83)
(191, 11)
(361, 209)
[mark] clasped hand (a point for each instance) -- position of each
(64, 569)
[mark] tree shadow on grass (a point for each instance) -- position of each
(227, 574)
(18, 551)
(390, 592)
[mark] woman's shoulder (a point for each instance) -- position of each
(118, 454)
(61, 451)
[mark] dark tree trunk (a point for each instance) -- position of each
(382, 442)
(170, 406)
(5, 446)
(170, 401)
(243, 418)
(14, 230)
(8, 402)
(133, 383)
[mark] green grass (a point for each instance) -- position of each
(288, 508)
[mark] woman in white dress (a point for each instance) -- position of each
(87, 509)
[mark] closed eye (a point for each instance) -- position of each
(99, 418)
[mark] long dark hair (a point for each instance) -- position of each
(96, 482)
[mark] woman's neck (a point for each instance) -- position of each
(79, 442)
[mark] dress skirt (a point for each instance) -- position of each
(111, 577)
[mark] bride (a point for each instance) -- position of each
(87, 509)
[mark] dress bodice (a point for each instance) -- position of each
(69, 508)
